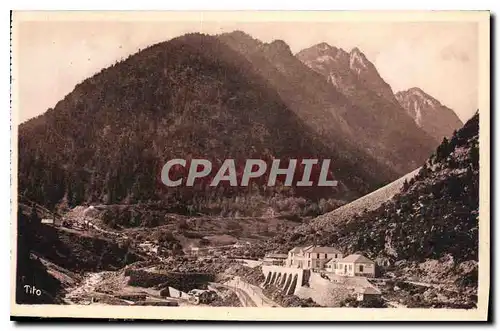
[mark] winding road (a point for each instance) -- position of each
(245, 299)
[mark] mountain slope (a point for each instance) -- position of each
(191, 97)
(434, 118)
(350, 72)
(316, 103)
(380, 128)
(428, 232)
(380, 120)
(445, 188)
(367, 202)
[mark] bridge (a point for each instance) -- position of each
(287, 279)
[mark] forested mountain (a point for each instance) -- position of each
(191, 97)
(211, 97)
(187, 98)
(434, 118)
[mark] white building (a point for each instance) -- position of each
(367, 293)
(312, 257)
(352, 265)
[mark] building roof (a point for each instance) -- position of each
(356, 258)
(331, 261)
(300, 249)
(320, 249)
(368, 290)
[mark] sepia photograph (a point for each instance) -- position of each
(250, 165)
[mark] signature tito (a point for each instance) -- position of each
(31, 289)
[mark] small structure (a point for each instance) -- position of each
(47, 221)
(199, 250)
(132, 296)
(354, 265)
(274, 259)
(367, 293)
(331, 265)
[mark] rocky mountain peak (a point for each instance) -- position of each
(279, 47)
(418, 93)
(238, 34)
(322, 52)
(347, 71)
(242, 39)
(322, 46)
(428, 113)
(358, 61)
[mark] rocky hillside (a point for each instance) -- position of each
(429, 231)
(434, 118)
(351, 72)
(51, 259)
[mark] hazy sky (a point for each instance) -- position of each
(440, 57)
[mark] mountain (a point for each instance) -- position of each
(214, 97)
(190, 97)
(428, 232)
(348, 98)
(314, 102)
(352, 73)
(434, 118)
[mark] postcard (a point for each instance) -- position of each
(283, 166)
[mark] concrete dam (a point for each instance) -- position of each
(289, 280)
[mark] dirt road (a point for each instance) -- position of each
(79, 293)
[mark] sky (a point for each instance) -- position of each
(439, 57)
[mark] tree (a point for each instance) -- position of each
(443, 150)
(182, 225)
(474, 156)
(406, 185)
(34, 218)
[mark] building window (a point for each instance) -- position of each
(317, 255)
(335, 266)
(360, 268)
(350, 267)
(309, 263)
(335, 255)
